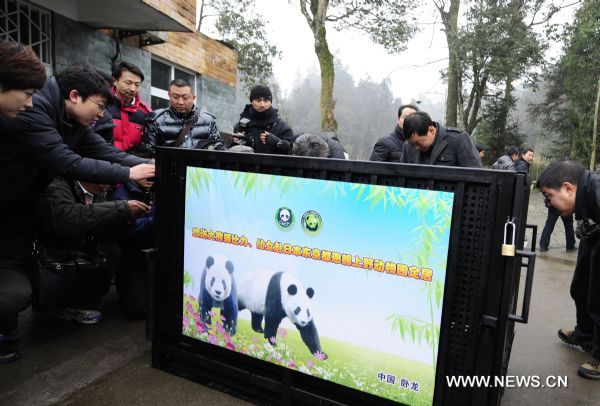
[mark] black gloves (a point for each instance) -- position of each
(273, 139)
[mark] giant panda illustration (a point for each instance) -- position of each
(275, 296)
(218, 289)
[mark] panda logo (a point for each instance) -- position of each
(284, 218)
(218, 289)
(275, 296)
(312, 223)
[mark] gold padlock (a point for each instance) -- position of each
(508, 250)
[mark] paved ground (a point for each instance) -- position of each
(537, 351)
(109, 364)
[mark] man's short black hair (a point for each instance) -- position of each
(512, 150)
(181, 83)
(86, 80)
(480, 147)
(406, 106)
(559, 172)
(526, 150)
(310, 145)
(126, 66)
(418, 122)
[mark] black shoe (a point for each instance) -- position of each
(591, 369)
(568, 336)
(543, 249)
(571, 249)
(9, 347)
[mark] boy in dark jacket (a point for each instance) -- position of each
(75, 216)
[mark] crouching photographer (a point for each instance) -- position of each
(260, 126)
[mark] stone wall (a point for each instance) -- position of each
(78, 43)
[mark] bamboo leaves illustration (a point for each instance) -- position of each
(198, 179)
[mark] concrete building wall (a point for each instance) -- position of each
(215, 64)
(218, 99)
(77, 43)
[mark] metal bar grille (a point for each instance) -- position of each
(30, 25)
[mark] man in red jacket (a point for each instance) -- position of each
(128, 111)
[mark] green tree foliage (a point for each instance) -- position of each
(498, 46)
(385, 22)
(366, 111)
(240, 26)
(567, 112)
(496, 131)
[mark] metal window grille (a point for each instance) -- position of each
(29, 25)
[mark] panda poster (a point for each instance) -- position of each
(343, 281)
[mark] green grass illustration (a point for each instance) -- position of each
(362, 368)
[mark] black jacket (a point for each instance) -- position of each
(163, 127)
(335, 148)
(522, 165)
(269, 122)
(389, 147)
(587, 198)
(42, 142)
(451, 147)
(505, 163)
(65, 221)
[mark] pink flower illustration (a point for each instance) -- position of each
(273, 340)
(230, 346)
(212, 339)
(281, 332)
(320, 355)
(310, 363)
(291, 364)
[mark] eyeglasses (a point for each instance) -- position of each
(100, 105)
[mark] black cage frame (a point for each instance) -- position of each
(481, 290)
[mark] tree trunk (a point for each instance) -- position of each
(595, 132)
(325, 57)
(450, 20)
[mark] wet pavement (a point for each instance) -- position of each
(109, 363)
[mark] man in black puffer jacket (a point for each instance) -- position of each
(265, 132)
(164, 127)
(389, 147)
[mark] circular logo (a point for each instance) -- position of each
(284, 218)
(312, 223)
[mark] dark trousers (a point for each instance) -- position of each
(549, 228)
(15, 291)
(585, 290)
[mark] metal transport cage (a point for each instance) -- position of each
(481, 303)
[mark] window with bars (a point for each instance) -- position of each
(29, 25)
(162, 74)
